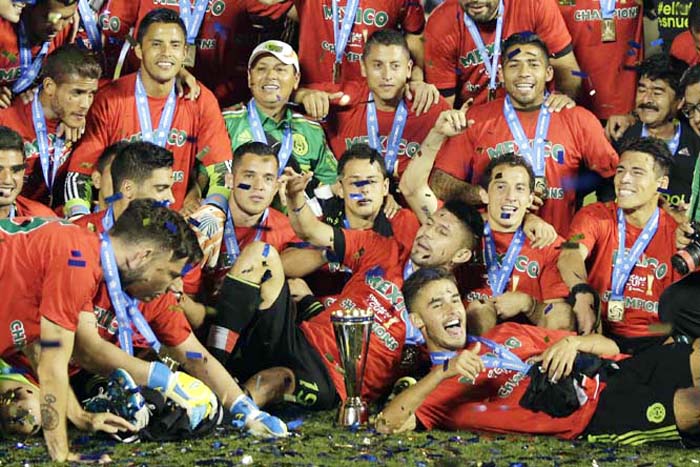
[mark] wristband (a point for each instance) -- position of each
(585, 288)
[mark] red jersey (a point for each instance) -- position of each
(609, 65)
(347, 125)
(19, 117)
(492, 401)
(208, 224)
(684, 48)
(25, 207)
(316, 38)
(575, 139)
(452, 60)
(197, 132)
(9, 50)
(535, 272)
(48, 269)
(92, 221)
(224, 43)
(375, 285)
(596, 224)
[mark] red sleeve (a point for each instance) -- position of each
(455, 157)
(96, 138)
(213, 143)
(587, 225)
(413, 17)
(192, 280)
(167, 319)
(118, 17)
(551, 283)
(598, 154)
(441, 51)
(550, 26)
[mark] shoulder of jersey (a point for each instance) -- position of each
(234, 110)
(301, 118)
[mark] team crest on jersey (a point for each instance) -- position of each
(106, 320)
(19, 336)
(299, 144)
(656, 412)
(513, 343)
(175, 138)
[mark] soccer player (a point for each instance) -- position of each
(44, 26)
(273, 75)
(556, 144)
(658, 101)
(685, 44)
(607, 42)
(460, 33)
(12, 168)
(44, 294)
(375, 111)
(225, 226)
(481, 383)
(144, 106)
(59, 106)
(628, 245)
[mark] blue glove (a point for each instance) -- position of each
(247, 414)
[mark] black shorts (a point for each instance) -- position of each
(273, 339)
(635, 345)
(636, 407)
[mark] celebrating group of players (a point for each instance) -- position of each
(431, 172)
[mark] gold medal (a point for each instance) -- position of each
(607, 30)
(616, 310)
(336, 72)
(190, 55)
(541, 187)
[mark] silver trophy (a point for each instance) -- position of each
(352, 334)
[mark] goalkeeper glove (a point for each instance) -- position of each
(247, 414)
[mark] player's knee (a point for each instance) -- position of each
(686, 407)
(255, 260)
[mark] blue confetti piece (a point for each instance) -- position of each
(217, 444)
(657, 42)
(266, 250)
(635, 44)
(243, 186)
(76, 263)
(186, 269)
(513, 53)
(560, 156)
(357, 196)
(579, 73)
(663, 190)
(193, 221)
(76, 254)
(548, 308)
(361, 183)
(161, 204)
(49, 344)
(171, 227)
(193, 355)
(376, 271)
(295, 424)
(114, 197)
(13, 371)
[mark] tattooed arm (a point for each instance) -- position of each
(446, 186)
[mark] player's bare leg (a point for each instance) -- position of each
(270, 385)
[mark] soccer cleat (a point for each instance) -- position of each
(126, 398)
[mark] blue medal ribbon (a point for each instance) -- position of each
(673, 144)
(87, 16)
(499, 275)
(439, 358)
(624, 263)
(535, 156)
(394, 138)
(502, 358)
(607, 8)
(29, 68)
(50, 162)
(125, 307)
(233, 249)
(491, 68)
(256, 128)
(408, 269)
(108, 219)
(13, 211)
(160, 136)
(192, 16)
(342, 30)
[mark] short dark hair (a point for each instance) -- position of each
(362, 151)
(136, 161)
(70, 59)
(146, 220)
(523, 38)
(386, 37)
(160, 15)
(108, 154)
(663, 67)
(512, 160)
(471, 220)
(694, 17)
(255, 148)
(690, 77)
(419, 279)
(10, 140)
(655, 147)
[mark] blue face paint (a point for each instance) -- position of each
(361, 183)
(357, 196)
(505, 215)
(243, 186)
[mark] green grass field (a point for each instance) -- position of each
(317, 442)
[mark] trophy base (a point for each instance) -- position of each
(353, 412)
